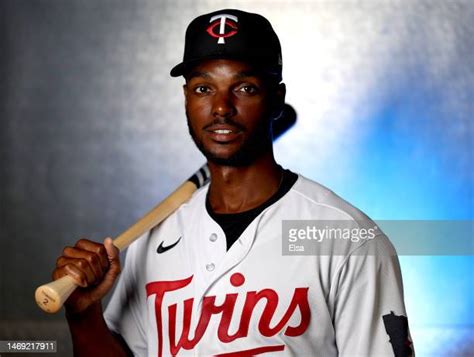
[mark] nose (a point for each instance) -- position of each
(223, 106)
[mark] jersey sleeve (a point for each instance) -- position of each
(369, 310)
(125, 313)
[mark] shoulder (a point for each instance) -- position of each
(322, 199)
(192, 208)
(173, 225)
(347, 230)
(196, 204)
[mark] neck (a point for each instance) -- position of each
(238, 189)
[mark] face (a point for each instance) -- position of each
(229, 108)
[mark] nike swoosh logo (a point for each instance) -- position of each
(161, 248)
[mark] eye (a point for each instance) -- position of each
(248, 89)
(201, 89)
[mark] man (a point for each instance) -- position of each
(212, 279)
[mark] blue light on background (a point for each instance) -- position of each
(413, 179)
(385, 121)
(409, 165)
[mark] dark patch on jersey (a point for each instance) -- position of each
(161, 248)
(397, 330)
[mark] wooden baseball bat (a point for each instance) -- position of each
(51, 297)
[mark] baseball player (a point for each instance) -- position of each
(212, 280)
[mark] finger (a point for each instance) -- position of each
(96, 248)
(83, 266)
(92, 258)
(74, 272)
(88, 270)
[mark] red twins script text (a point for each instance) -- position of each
(299, 302)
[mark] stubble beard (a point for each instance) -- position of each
(259, 143)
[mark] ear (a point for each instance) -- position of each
(279, 100)
(281, 94)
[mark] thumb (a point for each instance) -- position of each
(113, 255)
(112, 251)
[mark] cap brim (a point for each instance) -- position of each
(183, 67)
(177, 70)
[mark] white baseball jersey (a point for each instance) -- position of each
(182, 293)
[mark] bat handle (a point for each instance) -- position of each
(51, 297)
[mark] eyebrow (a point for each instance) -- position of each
(198, 74)
(246, 74)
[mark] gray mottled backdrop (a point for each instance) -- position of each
(93, 130)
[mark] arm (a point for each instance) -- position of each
(91, 336)
(95, 268)
(370, 317)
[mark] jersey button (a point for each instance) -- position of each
(210, 267)
(213, 237)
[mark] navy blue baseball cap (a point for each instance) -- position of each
(231, 34)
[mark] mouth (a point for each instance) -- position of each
(223, 133)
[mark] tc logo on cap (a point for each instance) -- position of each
(222, 21)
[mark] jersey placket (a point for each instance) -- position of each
(232, 257)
